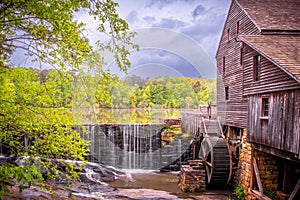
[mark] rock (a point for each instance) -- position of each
(192, 177)
(76, 190)
(146, 194)
(91, 176)
(99, 172)
(91, 172)
(7, 159)
(36, 193)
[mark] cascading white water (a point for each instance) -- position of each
(92, 138)
(132, 146)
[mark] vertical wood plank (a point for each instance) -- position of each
(251, 170)
(257, 176)
(292, 196)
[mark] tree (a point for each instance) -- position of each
(35, 119)
(46, 30)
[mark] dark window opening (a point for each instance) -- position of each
(256, 67)
(241, 56)
(228, 34)
(226, 93)
(265, 107)
(238, 27)
(224, 65)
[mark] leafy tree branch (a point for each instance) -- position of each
(35, 107)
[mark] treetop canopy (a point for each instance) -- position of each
(46, 31)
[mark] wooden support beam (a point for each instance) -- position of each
(251, 169)
(257, 176)
(296, 189)
(258, 195)
(276, 152)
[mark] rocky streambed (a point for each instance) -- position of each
(98, 181)
(119, 185)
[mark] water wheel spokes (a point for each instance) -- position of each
(217, 160)
(207, 156)
(208, 163)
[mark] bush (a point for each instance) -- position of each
(270, 194)
(240, 192)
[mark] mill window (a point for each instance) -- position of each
(241, 56)
(256, 67)
(224, 64)
(265, 107)
(226, 93)
(238, 27)
(228, 34)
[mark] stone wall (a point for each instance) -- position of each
(267, 166)
(268, 171)
(192, 177)
(243, 172)
(170, 121)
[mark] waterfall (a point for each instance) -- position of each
(92, 134)
(132, 146)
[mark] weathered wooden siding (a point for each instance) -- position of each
(282, 128)
(234, 110)
(272, 78)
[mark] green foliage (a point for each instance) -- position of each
(46, 31)
(33, 123)
(240, 192)
(135, 115)
(26, 176)
(269, 193)
(35, 106)
(176, 92)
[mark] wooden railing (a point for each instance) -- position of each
(193, 122)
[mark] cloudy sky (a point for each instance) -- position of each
(176, 37)
(202, 20)
(194, 25)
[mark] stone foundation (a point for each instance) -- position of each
(268, 171)
(192, 177)
(267, 166)
(243, 173)
(171, 121)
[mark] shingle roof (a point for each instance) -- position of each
(273, 14)
(282, 50)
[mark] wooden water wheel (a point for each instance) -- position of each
(217, 159)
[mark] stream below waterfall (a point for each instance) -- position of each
(137, 149)
(146, 184)
(166, 181)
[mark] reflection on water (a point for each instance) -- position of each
(166, 181)
(140, 116)
(162, 181)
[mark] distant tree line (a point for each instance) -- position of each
(62, 88)
(165, 92)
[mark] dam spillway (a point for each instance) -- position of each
(132, 146)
